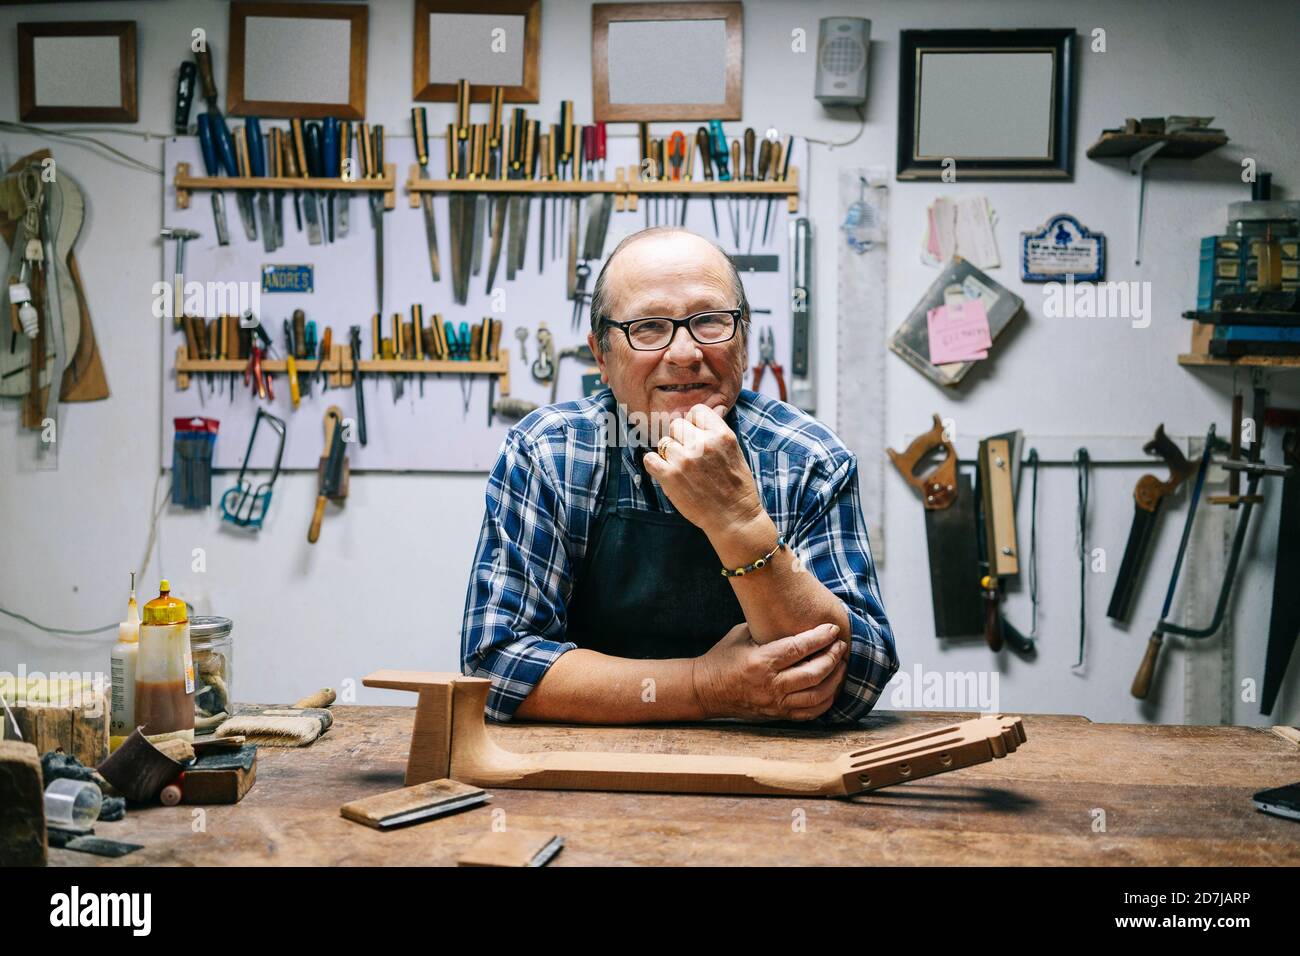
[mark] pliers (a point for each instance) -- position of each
(261, 380)
(767, 359)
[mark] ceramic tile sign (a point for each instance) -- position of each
(1062, 249)
(278, 278)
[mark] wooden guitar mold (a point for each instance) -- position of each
(450, 739)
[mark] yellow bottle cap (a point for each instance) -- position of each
(164, 609)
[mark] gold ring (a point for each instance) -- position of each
(662, 442)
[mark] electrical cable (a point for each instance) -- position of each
(1081, 461)
(76, 136)
(144, 566)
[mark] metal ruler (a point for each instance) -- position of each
(861, 246)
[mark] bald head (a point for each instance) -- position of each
(643, 267)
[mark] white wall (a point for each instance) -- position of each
(386, 586)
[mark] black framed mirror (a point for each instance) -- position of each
(986, 104)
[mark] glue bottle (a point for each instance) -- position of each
(164, 680)
(123, 660)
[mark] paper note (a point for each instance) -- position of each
(963, 228)
(959, 333)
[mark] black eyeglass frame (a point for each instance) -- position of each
(737, 317)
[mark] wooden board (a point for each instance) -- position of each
(1171, 796)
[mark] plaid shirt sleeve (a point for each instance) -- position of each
(830, 539)
(515, 606)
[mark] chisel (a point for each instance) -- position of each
(499, 207)
(462, 204)
(764, 164)
(377, 209)
(242, 197)
(257, 166)
(330, 170)
(356, 381)
(478, 170)
(345, 169)
(208, 144)
(307, 197)
(702, 146)
(316, 169)
(420, 129)
(780, 161)
(519, 125)
(289, 164)
(526, 201)
(544, 172)
(277, 170)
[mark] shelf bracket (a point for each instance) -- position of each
(1137, 166)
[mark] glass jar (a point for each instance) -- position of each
(210, 639)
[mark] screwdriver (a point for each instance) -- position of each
(764, 162)
(702, 146)
(733, 203)
(207, 141)
(676, 156)
(750, 139)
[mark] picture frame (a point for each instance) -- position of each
(312, 68)
(448, 32)
(670, 61)
(986, 104)
(100, 89)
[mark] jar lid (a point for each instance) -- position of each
(209, 628)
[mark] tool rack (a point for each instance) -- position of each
(339, 367)
(626, 187)
(185, 184)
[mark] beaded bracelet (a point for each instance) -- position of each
(760, 563)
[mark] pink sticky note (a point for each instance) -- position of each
(959, 334)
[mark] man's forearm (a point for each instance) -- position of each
(780, 599)
(588, 687)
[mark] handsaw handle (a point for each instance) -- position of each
(938, 489)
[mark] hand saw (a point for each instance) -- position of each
(1148, 497)
(950, 532)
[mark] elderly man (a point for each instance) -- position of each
(702, 556)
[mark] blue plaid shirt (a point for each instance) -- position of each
(542, 500)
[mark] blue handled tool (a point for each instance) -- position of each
(330, 169)
(207, 143)
(257, 166)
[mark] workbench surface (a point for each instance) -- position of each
(1171, 795)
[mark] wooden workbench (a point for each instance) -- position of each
(1172, 795)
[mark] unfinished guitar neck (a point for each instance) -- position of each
(450, 739)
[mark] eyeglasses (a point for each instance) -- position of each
(653, 333)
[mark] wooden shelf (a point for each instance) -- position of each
(1199, 357)
(1116, 144)
(1197, 360)
(185, 184)
(626, 186)
(339, 367)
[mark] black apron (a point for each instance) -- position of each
(650, 585)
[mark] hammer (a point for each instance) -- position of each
(181, 236)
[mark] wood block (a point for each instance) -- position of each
(433, 798)
(430, 756)
(60, 716)
(220, 777)
(22, 806)
(513, 848)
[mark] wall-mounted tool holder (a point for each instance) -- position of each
(185, 184)
(339, 367)
(626, 187)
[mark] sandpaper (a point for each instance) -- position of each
(513, 848)
(424, 801)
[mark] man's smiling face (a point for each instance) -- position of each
(670, 275)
